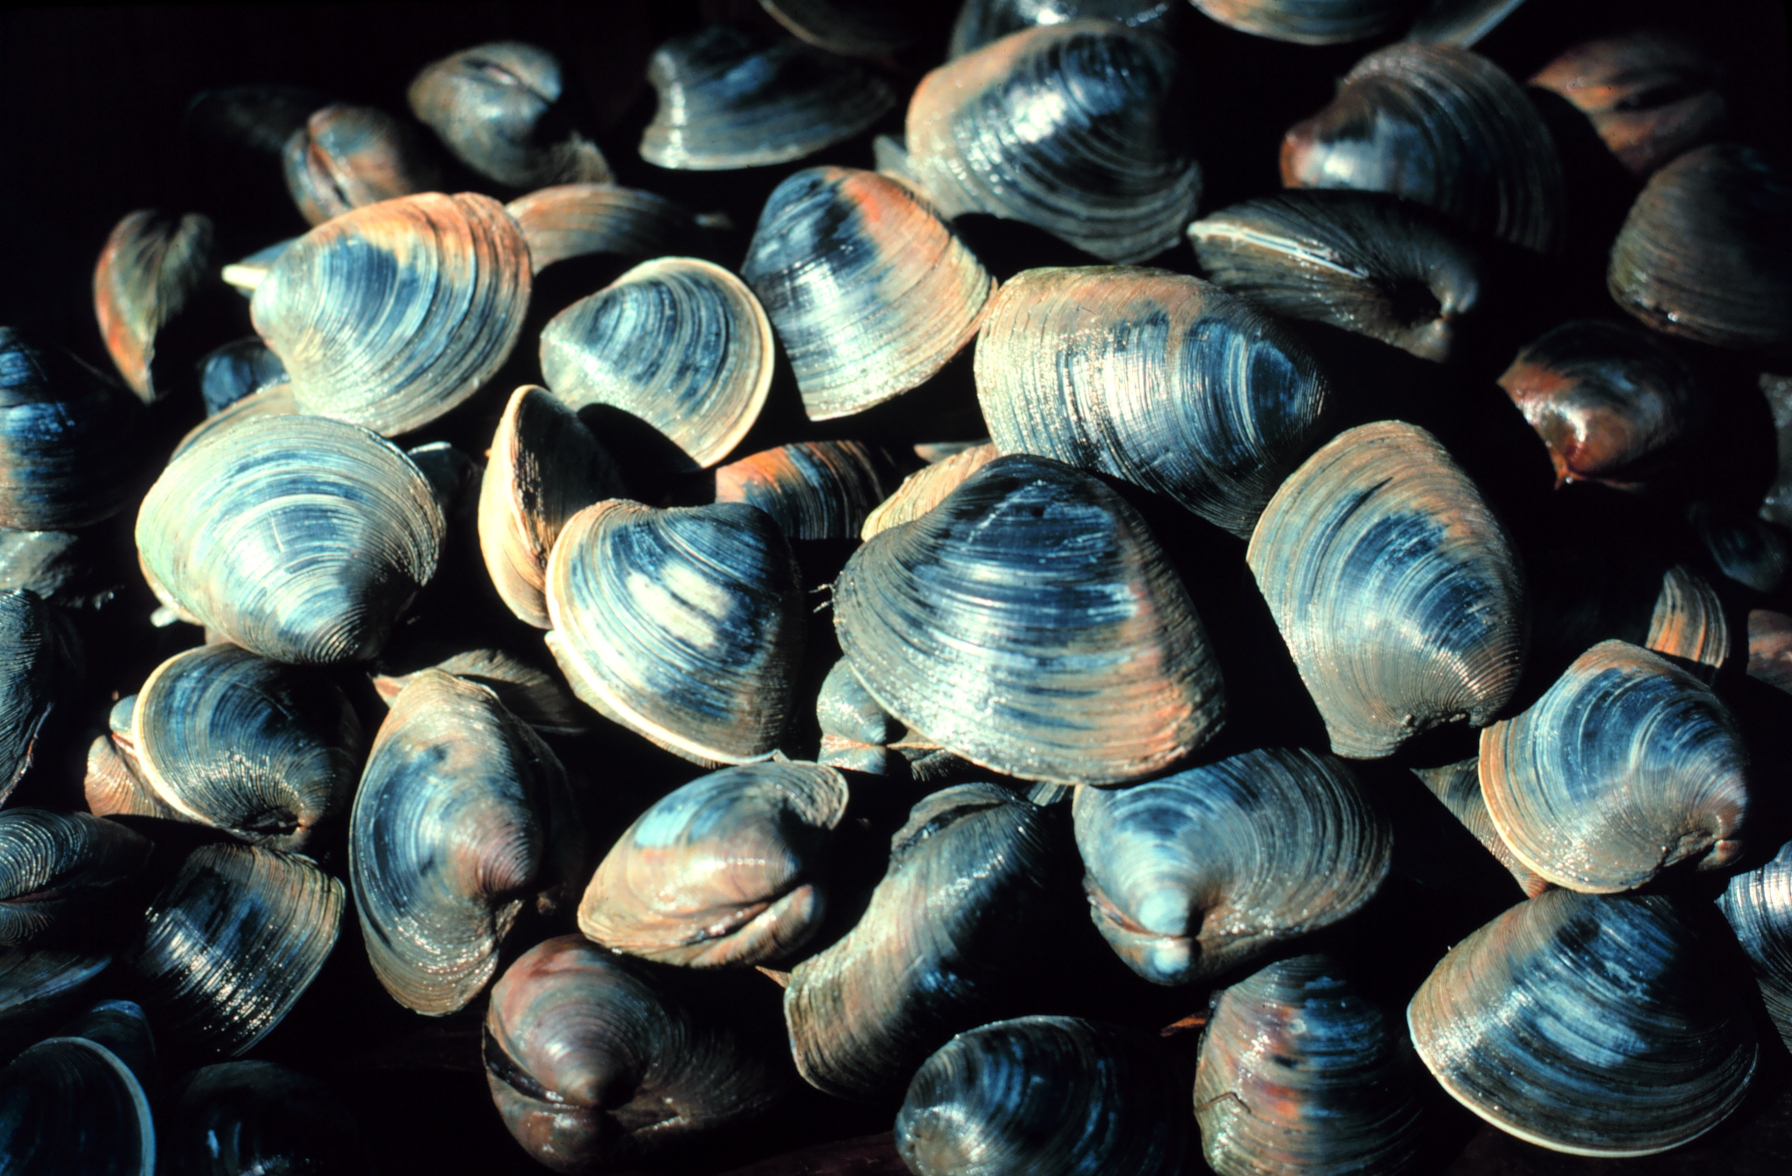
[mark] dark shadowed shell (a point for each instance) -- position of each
(60, 870)
(1090, 667)
(1309, 22)
(1770, 648)
(151, 267)
(463, 815)
(982, 21)
(812, 489)
(69, 439)
(1460, 22)
(1396, 588)
(1161, 379)
(41, 987)
(574, 220)
(123, 1028)
(853, 28)
(229, 373)
(1758, 906)
(1458, 785)
(70, 1107)
(1649, 93)
(257, 1118)
(348, 157)
(1598, 1026)
(40, 662)
(925, 489)
(1194, 873)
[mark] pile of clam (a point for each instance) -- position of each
(598, 623)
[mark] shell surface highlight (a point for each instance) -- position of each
(811, 489)
(574, 220)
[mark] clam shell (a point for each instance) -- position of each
(982, 21)
(531, 694)
(852, 28)
(69, 441)
(684, 625)
(463, 814)
(1309, 22)
(707, 372)
(122, 1027)
(236, 370)
(729, 100)
(1648, 93)
(1160, 379)
(1051, 1096)
(574, 220)
(811, 489)
(1060, 127)
(925, 489)
(273, 400)
(725, 871)
(1446, 128)
(150, 269)
(869, 289)
(256, 1117)
(393, 314)
(54, 565)
(1091, 667)
(70, 1107)
(40, 987)
(299, 538)
(1396, 588)
(1590, 1025)
(58, 870)
(347, 157)
(1364, 261)
(40, 659)
(1747, 549)
(1195, 873)
(1758, 906)
(1460, 22)
(1770, 648)
(1688, 623)
(1626, 766)
(1458, 785)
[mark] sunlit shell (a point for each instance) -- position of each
(925, 489)
(812, 489)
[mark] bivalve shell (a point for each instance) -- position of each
(149, 271)
(574, 220)
(68, 439)
(258, 1117)
(347, 157)
(58, 870)
(1309, 22)
(811, 489)
(70, 1107)
(1758, 906)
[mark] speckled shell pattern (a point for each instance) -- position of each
(1309, 22)
(1758, 905)
(1088, 667)
(59, 870)
(1594, 1025)
(67, 441)
(1442, 126)
(728, 870)
(811, 489)
(871, 292)
(1157, 378)
(1195, 873)
(1062, 127)
(347, 157)
(390, 315)
(463, 813)
(1626, 766)
(257, 1117)
(151, 267)
(1050, 1096)
(577, 220)
(70, 1107)
(1398, 591)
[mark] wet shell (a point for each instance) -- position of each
(1706, 252)
(40, 661)
(1460, 22)
(684, 625)
(1090, 667)
(273, 400)
(1446, 128)
(40, 987)
(1612, 405)
(982, 21)
(231, 944)
(149, 271)
(236, 370)
(299, 538)
(1758, 905)
(963, 911)
(575, 220)
(1160, 379)
(594, 1062)
(811, 489)
(1051, 1096)
(1309, 22)
(1770, 648)
(1195, 873)
(1649, 94)
(708, 370)
(729, 100)
(531, 694)
(59, 870)
(347, 157)
(1688, 623)
(855, 731)
(70, 1107)
(123, 1028)
(925, 489)
(1458, 785)
(871, 292)
(393, 314)
(853, 28)
(1396, 588)
(463, 814)
(1061, 127)
(1302, 1074)
(1590, 1025)
(69, 440)
(1626, 766)
(727, 870)
(254, 1118)
(498, 108)
(544, 466)
(56, 565)
(1364, 261)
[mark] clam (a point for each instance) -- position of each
(853, 28)
(148, 272)
(231, 943)
(1758, 906)
(1309, 22)
(273, 400)
(1458, 785)
(963, 911)
(1626, 766)
(58, 566)
(1089, 667)
(1598, 1026)
(1195, 873)
(574, 220)
(1160, 379)
(1046, 1095)
(544, 467)
(1460, 22)
(1770, 648)
(869, 289)
(236, 370)
(726, 870)
(811, 489)
(245, 275)
(1368, 262)
(1444, 127)
(499, 109)
(1396, 588)
(925, 489)
(257, 1117)
(463, 814)
(59, 870)
(299, 538)
(122, 1027)
(1688, 622)
(1303, 1074)
(347, 157)
(707, 372)
(1648, 93)
(1065, 127)
(1611, 403)
(982, 21)
(69, 439)
(531, 694)
(1706, 251)
(68, 1105)
(855, 731)
(684, 625)
(593, 1062)
(391, 315)
(41, 987)
(40, 661)
(728, 99)
(1748, 549)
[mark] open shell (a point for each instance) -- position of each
(151, 267)
(574, 220)
(347, 157)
